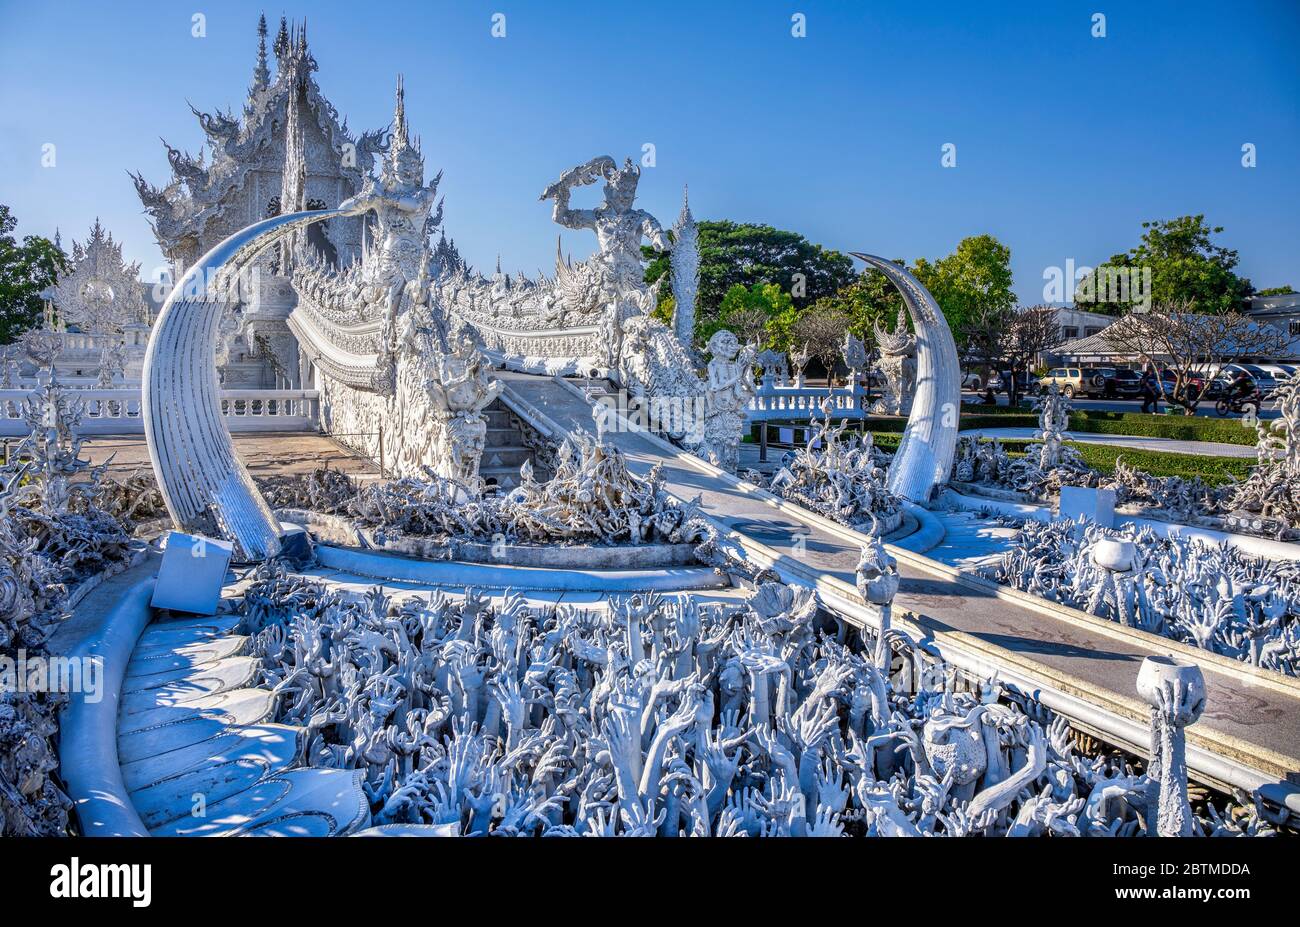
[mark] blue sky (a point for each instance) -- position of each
(1065, 142)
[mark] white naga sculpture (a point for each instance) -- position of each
(925, 454)
(730, 390)
(898, 366)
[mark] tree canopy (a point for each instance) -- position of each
(752, 313)
(734, 253)
(1186, 267)
(25, 270)
(972, 283)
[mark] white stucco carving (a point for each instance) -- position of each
(897, 365)
(730, 390)
(685, 266)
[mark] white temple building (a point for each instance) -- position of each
(242, 180)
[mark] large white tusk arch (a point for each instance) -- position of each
(925, 454)
(204, 484)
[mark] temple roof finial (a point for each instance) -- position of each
(399, 117)
(282, 45)
(261, 73)
(685, 217)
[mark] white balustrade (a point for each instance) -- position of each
(795, 404)
(117, 411)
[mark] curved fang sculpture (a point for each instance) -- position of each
(204, 484)
(925, 454)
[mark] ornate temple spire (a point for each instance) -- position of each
(400, 138)
(684, 264)
(293, 193)
(261, 73)
(282, 46)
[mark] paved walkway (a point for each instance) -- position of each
(1262, 717)
(272, 454)
(1168, 445)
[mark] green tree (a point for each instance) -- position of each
(1284, 290)
(752, 313)
(868, 301)
(734, 253)
(25, 270)
(1186, 267)
(972, 283)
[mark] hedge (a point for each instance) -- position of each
(1101, 457)
(1179, 427)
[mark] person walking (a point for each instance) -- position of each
(1150, 392)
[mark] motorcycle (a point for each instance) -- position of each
(1237, 405)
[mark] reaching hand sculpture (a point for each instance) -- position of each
(652, 717)
(1215, 598)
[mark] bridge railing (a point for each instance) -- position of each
(117, 411)
(801, 403)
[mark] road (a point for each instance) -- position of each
(1205, 409)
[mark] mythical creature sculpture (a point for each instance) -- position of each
(854, 353)
(402, 205)
(618, 267)
(774, 367)
(798, 361)
(461, 389)
(898, 366)
(730, 389)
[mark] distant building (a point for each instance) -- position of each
(1074, 324)
(1282, 311)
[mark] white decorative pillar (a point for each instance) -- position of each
(1175, 690)
(684, 261)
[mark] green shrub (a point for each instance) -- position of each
(1179, 427)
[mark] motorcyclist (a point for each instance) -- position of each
(1241, 386)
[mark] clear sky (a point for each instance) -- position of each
(1064, 142)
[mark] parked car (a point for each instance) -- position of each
(1069, 380)
(1125, 384)
(972, 381)
(1110, 383)
(1028, 383)
(1192, 383)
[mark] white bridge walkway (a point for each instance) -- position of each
(1082, 666)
